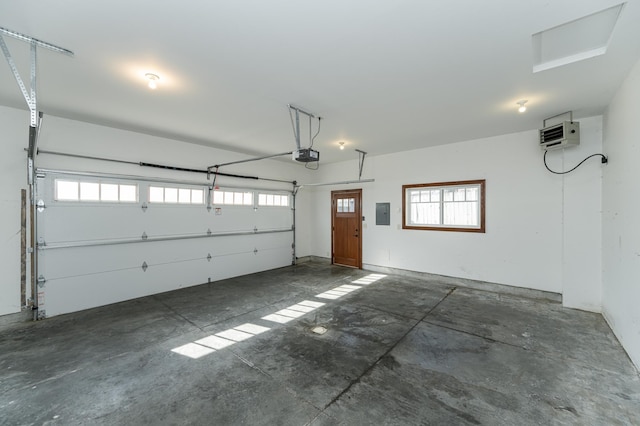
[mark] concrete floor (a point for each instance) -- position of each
(397, 351)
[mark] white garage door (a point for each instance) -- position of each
(107, 238)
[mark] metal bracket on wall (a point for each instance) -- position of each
(144, 266)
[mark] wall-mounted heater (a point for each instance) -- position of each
(561, 135)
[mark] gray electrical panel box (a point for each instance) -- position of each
(383, 211)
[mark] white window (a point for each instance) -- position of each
(265, 199)
(156, 194)
(129, 193)
(173, 195)
(444, 206)
(233, 198)
(90, 191)
(108, 192)
(346, 205)
(68, 190)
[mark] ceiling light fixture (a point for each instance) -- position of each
(522, 107)
(341, 145)
(152, 80)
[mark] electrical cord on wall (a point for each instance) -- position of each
(604, 160)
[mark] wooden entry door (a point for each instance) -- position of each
(346, 226)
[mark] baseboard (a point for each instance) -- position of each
(470, 283)
(311, 258)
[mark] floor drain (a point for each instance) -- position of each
(319, 330)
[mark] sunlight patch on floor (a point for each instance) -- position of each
(226, 338)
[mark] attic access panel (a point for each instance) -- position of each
(574, 41)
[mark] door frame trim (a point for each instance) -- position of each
(347, 191)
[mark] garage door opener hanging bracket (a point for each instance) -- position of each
(30, 97)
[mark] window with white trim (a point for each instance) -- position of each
(87, 191)
(444, 206)
(232, 198)
(174, 195)
(277, 200)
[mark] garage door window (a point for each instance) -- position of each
(173, 195)
(74, 190)
(233, 198)
(275, 200)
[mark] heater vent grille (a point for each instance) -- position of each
(560, 135)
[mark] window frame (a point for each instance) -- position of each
(177, 201)
(99, 200)
(231, 195)
(274, 194)
(452, 184)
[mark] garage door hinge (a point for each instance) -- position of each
(255, 229)
(144, 236)
(144, 207)
(255, 251)
(144, 266)
(41, 242)
(208, 208)
(40, 205)
(41, 281)
(209, 232)
(209, 257)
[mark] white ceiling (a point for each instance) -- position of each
(386, 76)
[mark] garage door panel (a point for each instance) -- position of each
(176, 220)
(233, 218)
(89, 223)
(274, 217)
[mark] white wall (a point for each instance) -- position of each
(13, 160)
(542, 230)
(582, 220)
(621, 213)
(87, 139)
